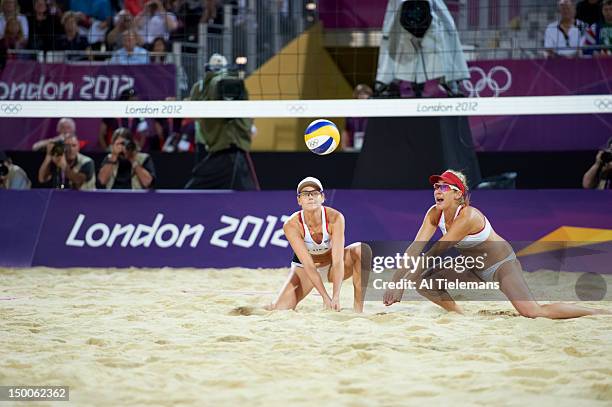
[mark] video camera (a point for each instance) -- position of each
(226, 85)
(416, 17)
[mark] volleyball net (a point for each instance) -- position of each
(536, 105)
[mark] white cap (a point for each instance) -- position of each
(309, 181)
(217, 61)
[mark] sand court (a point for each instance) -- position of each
(197, 337)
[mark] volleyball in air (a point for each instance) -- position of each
(322, 137)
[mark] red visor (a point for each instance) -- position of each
(449, 178)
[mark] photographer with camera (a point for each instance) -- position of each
(11, 175)
(222, 145)
(599, 176)
(65, 126)
(419, 43)
(65, 168)
(126, 167)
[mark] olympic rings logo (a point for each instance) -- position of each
(487, 81)
(603, 104)
(296, 108)
(10, 108)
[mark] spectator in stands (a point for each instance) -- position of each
(188, 14)
(599, 35)
(159, 55)
(44, 27)
(71, 40)
(154, 21)
(354, 129)
(123, 22)
(589, 11)
(64, 167)
(65, 127)
(213, 16)
(12, 40)
(159, 49)
(562, 38)
(96, 35)
(10, 8)
(599, 176)
(125, 167)
(11, 175)
(130, 54)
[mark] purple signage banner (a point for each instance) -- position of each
(346, 14)
(21, 216)
(535, 77)
(228, 229)
(540, 77)
(28, 80)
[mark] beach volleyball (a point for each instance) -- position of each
(322, 137)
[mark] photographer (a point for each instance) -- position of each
(11, 175)
(65, 126)
(599, 176)
(125, 167)
(65, 168)
(419, 43)
(222, 159)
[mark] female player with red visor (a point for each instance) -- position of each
(470, 232)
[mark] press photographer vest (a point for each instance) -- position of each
(140, 159)
(81, 160)
(90, 184)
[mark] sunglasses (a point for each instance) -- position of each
(445, 187)
(308, 194)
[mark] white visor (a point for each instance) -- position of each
(310, 181)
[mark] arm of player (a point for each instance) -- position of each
(461, 228)
(337, 267)
(426, 231)
(298, 246)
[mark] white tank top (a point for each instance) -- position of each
(470, 240)
(312, 246)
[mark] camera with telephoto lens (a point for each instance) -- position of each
(606, 157)
(4, 169)
(129, 145)
(58, 148)
(416, 17)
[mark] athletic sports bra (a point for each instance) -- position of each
(470, 240)
(312, 246)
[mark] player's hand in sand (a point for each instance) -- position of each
(335, 304)
(331, 304)
(392, 296)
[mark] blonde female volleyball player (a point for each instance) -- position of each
(466, 228)
(316, 235)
